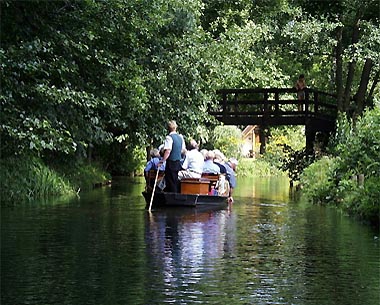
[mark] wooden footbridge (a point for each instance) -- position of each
(275, 106)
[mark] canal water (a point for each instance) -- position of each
(269, 247)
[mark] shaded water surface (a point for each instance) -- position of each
(267, 248)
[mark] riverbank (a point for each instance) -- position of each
(349, 176)
(29, 178)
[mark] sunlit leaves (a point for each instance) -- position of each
(105, 69)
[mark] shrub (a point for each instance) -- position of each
(249, 167)
(330, 179)
(29, 178)
(317, 180)
(228, 140)
(83, 176)
(364, 200)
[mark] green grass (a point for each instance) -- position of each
(29, 178)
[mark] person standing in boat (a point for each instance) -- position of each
(193, 163)
(173, 146)
(231, 166)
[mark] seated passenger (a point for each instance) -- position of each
(209, 166)
(193, 163)
(204, 152)
(153, 162)
(220, 160)
(231, 166)
(154, 159)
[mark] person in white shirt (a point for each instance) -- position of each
(193, 164)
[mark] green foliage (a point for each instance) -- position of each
(82, 176)
(249, 167)
(343, 134)
(357, 149)
(29, 178)
(317, 182)
(286, 151)
(295, 161)
(282, 143)
(358, 146)
(364, 200)
(128, 162)
(228, 140)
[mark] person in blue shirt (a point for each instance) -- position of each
(173, 147)
(152, 164)
(209, 166)
(231, 166)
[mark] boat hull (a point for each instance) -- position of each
(162, 199)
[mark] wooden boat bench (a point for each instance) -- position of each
(201, 185)
(195, 186)
(213, 178)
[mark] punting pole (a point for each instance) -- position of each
(154, 189)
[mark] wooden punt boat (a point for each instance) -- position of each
(194, 193)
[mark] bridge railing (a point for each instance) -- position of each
(274, 103)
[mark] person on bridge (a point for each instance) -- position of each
(300, 86)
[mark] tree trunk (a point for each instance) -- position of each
(262, 137)
(351, 69)
(360, 95)
(374, 84)
(339, 69)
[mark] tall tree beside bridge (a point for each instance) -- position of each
(357, 49)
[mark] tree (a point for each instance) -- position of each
(357, 43)
(81, 75)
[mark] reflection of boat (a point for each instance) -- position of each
(194, 193)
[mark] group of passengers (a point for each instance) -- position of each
(180, 162)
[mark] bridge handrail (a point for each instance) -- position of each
(312, 97)
(265, 106)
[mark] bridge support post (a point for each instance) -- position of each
(262, 138)
(310, 138)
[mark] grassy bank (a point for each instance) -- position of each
(29, 178)
(358, 195)
(350, 176)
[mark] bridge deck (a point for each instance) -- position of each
(276, 106)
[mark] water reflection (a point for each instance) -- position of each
(104, 248)
(184, 245)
